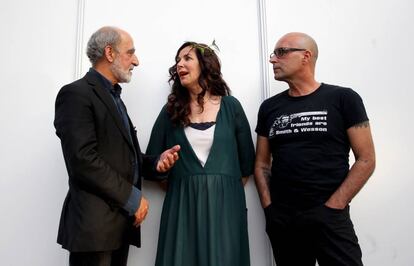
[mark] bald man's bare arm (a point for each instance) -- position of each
(363, 148)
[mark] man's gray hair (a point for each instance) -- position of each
(99, 40)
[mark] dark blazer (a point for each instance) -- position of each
(99, 158)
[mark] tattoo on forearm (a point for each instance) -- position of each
(363, 160)
(362, 124)
(266, 173)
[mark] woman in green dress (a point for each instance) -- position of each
(204, 217)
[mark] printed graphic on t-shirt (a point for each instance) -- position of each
(297, 123)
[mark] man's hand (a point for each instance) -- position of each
(168, 159)
(141, 212)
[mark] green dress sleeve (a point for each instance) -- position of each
(157, 143)
(245, 145)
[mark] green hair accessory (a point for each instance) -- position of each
(202, 48)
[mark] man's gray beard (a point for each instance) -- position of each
(120, 75)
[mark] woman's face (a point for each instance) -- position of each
(188, 68)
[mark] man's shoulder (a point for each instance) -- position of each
(274, 99)
(79, 86)
(340, 94)
(336, 88)
(75, 84)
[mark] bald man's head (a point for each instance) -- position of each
(300, 40)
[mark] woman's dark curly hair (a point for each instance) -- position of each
(178, 104)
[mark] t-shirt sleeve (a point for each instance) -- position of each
(261, 128)
(353, 109)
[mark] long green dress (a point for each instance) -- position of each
(204, 217)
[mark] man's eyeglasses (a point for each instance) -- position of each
(282, 51)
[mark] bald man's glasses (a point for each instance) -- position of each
(282, 51)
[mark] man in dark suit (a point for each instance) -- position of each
(104, 206)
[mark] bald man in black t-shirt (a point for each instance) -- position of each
(302, 174)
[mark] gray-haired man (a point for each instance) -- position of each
(104, 206)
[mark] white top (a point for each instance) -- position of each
(201, 141)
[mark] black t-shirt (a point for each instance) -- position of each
(309, 142)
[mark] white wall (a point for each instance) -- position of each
(363, 44)
(37, 49)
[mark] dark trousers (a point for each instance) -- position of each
(117, 257)
(319, 234)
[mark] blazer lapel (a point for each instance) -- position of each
(106, 98)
